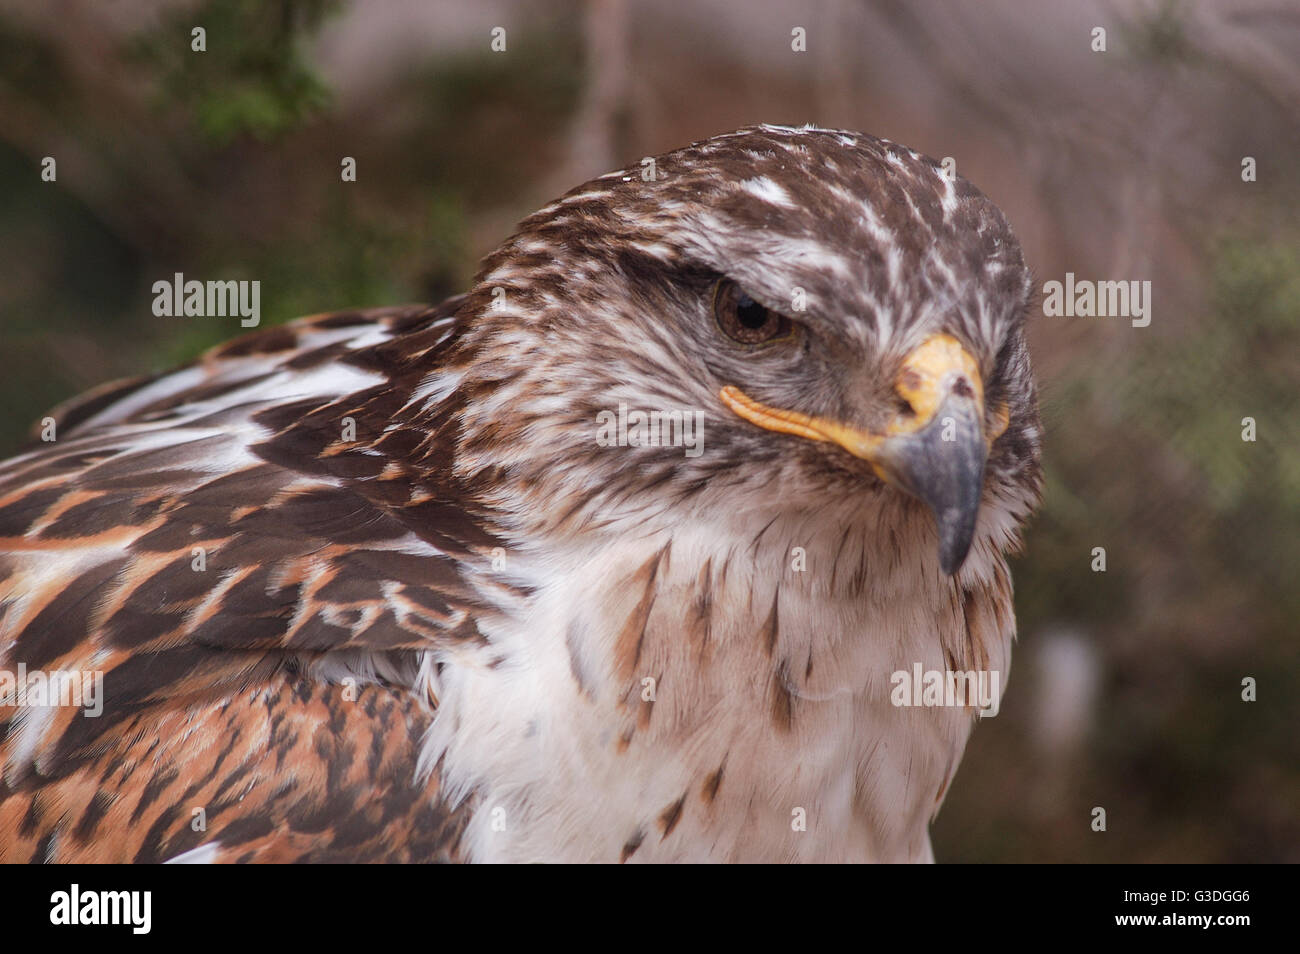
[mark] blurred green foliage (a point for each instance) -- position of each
(1203, 557)
(1158, 34)
(261, 85)
(226, 164)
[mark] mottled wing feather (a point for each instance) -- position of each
(221, 543)
(291, 771)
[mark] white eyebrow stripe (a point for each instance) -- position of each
(768, 191)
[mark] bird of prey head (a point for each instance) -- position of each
(848, 317)
(624, 545)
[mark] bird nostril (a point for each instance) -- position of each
(961, 387)
(909, 383)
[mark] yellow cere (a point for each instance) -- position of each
(922, 382)
(925, 371)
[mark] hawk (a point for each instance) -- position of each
(390, 585)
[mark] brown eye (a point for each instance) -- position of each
(744, 320)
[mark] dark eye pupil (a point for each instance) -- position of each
(751, 314)
(744, 320)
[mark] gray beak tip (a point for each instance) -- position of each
(956, 529)
(943, 465)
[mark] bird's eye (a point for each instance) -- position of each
(746, 321)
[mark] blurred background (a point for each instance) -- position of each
(1126, 688)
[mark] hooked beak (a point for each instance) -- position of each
(935, 450)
